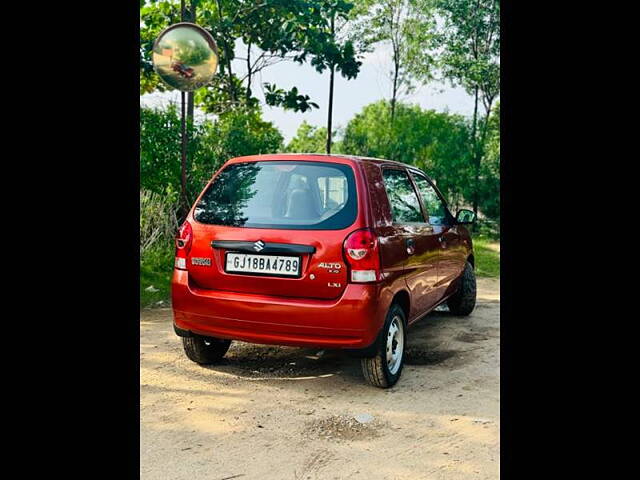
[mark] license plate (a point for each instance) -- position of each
(271, 265)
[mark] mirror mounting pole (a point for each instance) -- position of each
(183, 139)
(183, 156)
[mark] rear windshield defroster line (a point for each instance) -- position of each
(288, 195)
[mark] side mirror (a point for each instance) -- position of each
(465, 217)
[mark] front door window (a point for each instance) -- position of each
(432, 202)
(405, 206)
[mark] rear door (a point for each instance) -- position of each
(453, 252)
(274, 228)
(420, 242)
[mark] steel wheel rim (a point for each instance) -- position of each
(395, 345)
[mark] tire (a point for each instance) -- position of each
(464, 300)
(383, 370)
(205, 350)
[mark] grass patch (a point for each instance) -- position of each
(156, 269)
(487, 257)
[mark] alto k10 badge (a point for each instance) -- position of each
(331, 267)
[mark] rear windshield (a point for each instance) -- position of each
(281, 194)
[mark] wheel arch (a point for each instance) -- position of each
(403, 299)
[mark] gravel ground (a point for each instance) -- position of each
(289, 413)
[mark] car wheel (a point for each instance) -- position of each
(205, 350)
(464, 300)
(383, 370)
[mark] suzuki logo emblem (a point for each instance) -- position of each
(258, 246)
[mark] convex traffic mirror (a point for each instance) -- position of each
(185, 56)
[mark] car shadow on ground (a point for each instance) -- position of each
(429, 344)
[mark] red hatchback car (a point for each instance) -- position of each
(323, 251)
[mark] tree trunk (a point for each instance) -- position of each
(183, 156)
(331, 75)
(183, 135)
(395, 91)
(479, 155)
(395, 15)
(474, 154)
(232, 88)
(248, 95)
(485, 124)
(227, 58)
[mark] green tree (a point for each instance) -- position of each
(308, 139)
(469, 41)
(407, 26)
(436, 142)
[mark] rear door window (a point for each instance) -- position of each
(405, 206)
(281, 194)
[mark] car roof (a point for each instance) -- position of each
(302, 156)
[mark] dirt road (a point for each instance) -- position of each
(289, 413)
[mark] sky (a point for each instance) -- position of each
(350, 96)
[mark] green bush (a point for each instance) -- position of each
(158, 225)
(158, 221)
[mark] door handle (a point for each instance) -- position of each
(411, 245)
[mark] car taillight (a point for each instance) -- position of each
(184, 239)
(362, 253)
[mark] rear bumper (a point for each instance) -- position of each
(351, 321)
